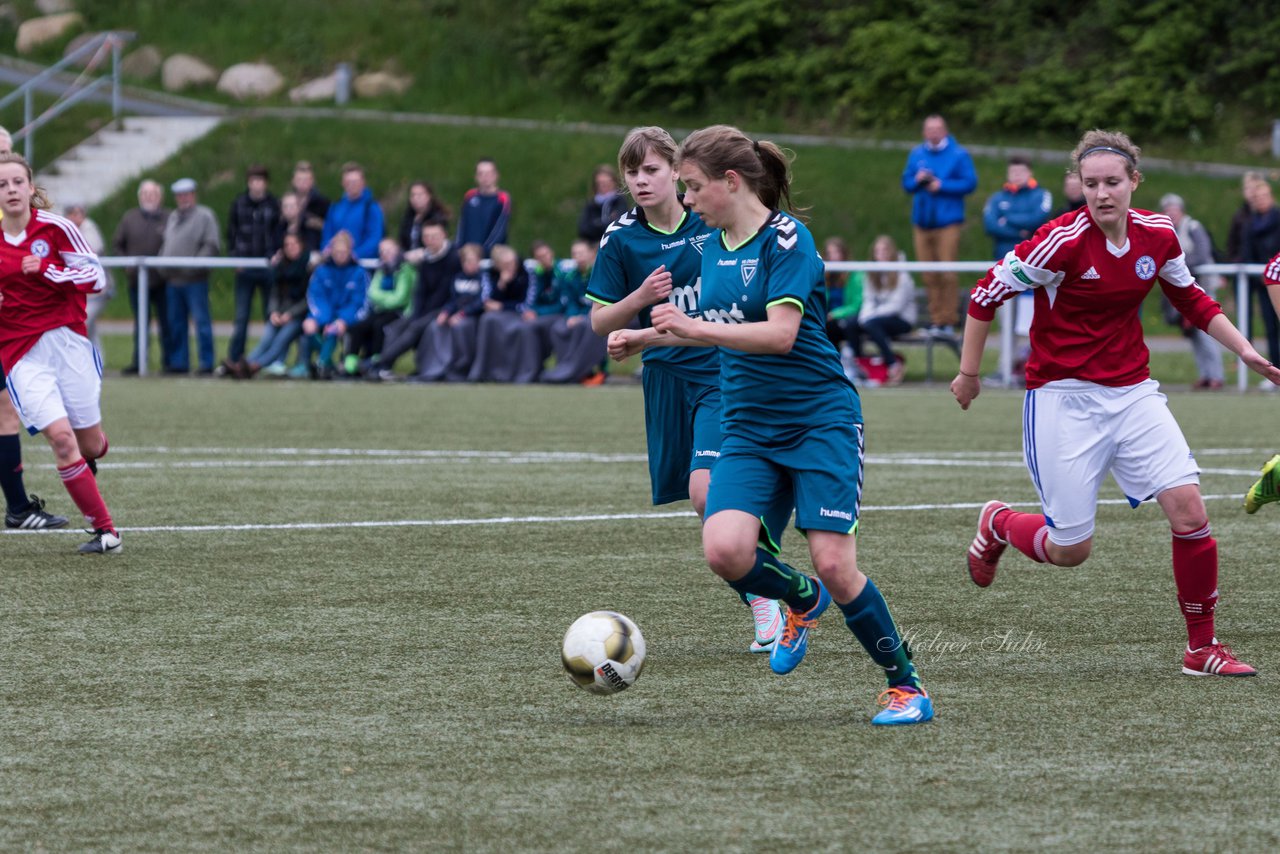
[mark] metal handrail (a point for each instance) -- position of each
(30, 123)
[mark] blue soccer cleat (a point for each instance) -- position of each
(789, 650)
(903, 705)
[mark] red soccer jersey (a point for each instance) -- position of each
(54, 297)
(1088, 294)
(1271, 275)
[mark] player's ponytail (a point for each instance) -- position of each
(39, 200)
(764, 166)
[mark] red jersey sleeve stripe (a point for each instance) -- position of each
(1040, 255)
(68, 229)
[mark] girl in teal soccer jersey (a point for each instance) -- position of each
(791, 417)
(652, 254)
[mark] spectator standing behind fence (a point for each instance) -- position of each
(1012, 215)
(1072, 194)
(435, 282)
(1259, 242)
(357, 213)
(286, 308)
(253, 231)
(486, 210)
(1235, 232)
(505, 347)
(313, 204)
(191, 231)
(448, 345)
(1198, 247)
(605, 204)
(579, 351)
(141, 233)
(334, 299)
(389, 295)
(938, 175)
(888, 309)
(423, 207)
(94, 302)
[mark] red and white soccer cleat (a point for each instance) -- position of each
(986, 548)
(1215, 659)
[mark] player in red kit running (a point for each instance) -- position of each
(1267, 488)
(1091, 406)
(54, 374)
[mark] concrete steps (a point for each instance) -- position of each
(104, 162)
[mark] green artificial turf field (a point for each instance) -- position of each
(336, 624)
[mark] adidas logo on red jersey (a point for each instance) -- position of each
(1091, 273)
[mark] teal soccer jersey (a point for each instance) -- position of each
(630, 250)
(768, 399)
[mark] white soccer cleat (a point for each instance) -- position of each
(768, 620)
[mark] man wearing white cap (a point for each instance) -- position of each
(192, 231)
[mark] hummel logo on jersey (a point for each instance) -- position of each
(680, 242)
(749, 270)
(1091, 273)
(621, 222)
(786, 228)
(727, 262)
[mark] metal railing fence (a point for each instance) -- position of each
(1240, 272)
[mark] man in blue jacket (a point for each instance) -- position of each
(938, 175)
(356, 213)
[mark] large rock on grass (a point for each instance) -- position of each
(376, 83)
(55, 7)
(320, 89)
(143, 63)
(182, 71)
(250, 80)
(35, 32)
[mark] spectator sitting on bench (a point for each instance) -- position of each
(888, 308)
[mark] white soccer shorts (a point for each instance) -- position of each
(60, 377)
(1074, 432)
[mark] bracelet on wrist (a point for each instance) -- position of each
(965, 374)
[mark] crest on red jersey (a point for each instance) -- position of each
(40, 248)
(1145, 267)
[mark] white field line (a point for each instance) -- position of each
(530, 520)
(367, 456)
(251, 458)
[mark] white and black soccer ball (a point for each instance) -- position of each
(603, 652)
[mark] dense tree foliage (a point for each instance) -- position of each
(1014, 65)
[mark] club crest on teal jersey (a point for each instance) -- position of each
(749, 270)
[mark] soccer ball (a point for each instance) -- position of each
(603, 652)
